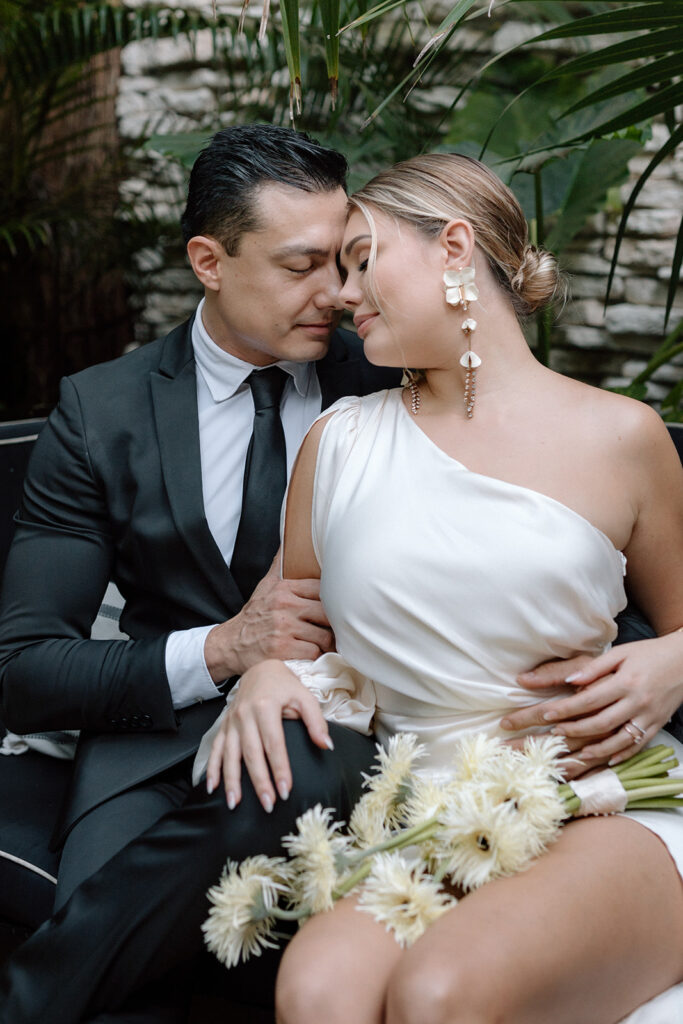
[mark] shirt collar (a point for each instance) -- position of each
(225, 373)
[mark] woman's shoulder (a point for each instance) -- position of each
(338, 425)
(617, 421)
(348, 415)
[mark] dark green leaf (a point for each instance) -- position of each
(675, 272)
(598, 168)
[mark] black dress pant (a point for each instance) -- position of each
(139, 916)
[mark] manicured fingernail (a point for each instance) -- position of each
(527, 675)
(267, 802)
(210, 786)
(550, 716)
(328, 743)
(556, 731)
(573, 677)
(505, 723)
(613, 760)
(232, 803)
(283, 789)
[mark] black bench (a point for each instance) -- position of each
(33, 785)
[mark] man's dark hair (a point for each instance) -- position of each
(236, 162)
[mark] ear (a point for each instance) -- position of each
(457, 244)
(207, 256)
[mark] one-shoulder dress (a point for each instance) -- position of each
(442, 585)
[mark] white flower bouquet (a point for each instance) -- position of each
(412, 839)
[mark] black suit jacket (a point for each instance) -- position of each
(114, 491)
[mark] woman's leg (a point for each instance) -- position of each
(336, 969)
(593, 929)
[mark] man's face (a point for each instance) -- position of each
(278, 298)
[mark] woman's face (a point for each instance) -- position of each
(413, 327)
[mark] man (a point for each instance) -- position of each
(164, 471)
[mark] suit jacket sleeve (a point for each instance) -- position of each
(52, 676)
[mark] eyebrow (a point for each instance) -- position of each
(353, 241)
(301, 250)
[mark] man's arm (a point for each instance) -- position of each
(52, 676)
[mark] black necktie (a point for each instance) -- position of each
(265, 480)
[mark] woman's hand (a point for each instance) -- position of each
(623, 698)
(252, 729)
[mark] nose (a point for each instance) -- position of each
(349, 294)
(328, 293)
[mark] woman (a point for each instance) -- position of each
(467, 529)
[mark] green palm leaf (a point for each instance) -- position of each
(289, 12)
(329, 14)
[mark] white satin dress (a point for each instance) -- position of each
(442, 585)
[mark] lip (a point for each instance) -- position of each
(319, 330)
(362, 323)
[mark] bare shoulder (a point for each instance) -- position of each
(623, 426)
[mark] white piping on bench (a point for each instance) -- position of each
(31, 867)
(19, 440)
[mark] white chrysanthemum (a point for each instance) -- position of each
(390, 783)
(367, 825)
(544, 753)
(240, 921)
(482, 839)
(318, 857)
(527, 779)
(534, 796)
(475, 754)
(402, 897)
(428, 798)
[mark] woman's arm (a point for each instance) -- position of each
(639, 682)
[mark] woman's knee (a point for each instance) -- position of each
(305, 988)
(434, 991)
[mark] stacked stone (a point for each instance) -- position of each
(177, 86)
(610, 346)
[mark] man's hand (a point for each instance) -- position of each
(252, 729)
(621, 699)
(282, 619)
(544, 677)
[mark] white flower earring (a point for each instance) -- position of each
(460, 291)
(460, 287)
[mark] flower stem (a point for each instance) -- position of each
(659, 789)
(643, 771)
(398, 841)
(289, 915)
(404, 837)
(657, 803)
(651, 755)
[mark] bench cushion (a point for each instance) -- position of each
(32, 788)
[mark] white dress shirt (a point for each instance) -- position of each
(226, 416)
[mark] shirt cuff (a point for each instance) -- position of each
(188, 677)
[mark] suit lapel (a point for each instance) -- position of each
(339, 372)
(174, 396)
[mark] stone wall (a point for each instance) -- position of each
(175, 85)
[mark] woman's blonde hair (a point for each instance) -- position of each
(430, 190)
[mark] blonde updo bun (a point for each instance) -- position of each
(430, 190)
(537, 281)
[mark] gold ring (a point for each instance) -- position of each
(637, 737)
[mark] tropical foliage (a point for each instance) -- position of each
(62, 244)
(558, 115)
